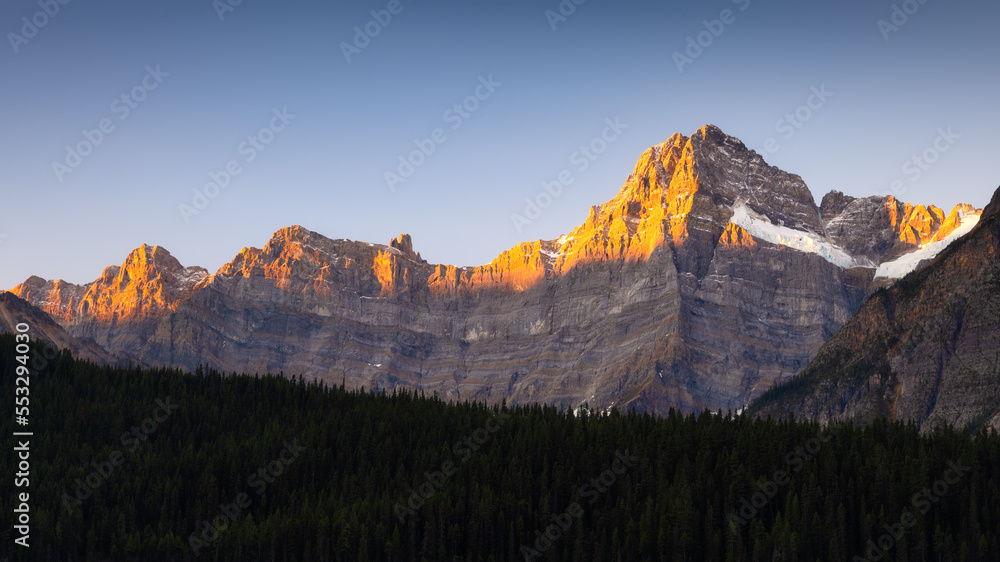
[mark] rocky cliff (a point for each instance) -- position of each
(881, 229)
(709, 277)
(926, 349)
(41, 327)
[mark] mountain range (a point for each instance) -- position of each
(708, 279)
(926, 349)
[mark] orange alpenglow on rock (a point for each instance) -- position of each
(149, 282)
(392, 273)
(405, 245)
(709, 276)
(735, 235)
(877, 229)
(663, 202)
(920, 225)
(954, 221)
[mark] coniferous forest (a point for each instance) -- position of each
(155, 464)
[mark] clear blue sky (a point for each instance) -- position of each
(325, 169)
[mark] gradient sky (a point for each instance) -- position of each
(326, 169)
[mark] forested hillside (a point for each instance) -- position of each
(162, 465)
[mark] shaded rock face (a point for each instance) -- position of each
(42, 327)
(883, 228)
(833, 204)
(657, 300)
(926, 349)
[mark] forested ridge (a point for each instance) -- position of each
(156, 464)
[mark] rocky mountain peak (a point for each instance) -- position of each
(833, 204)
(147, 263)
(14, 310)
(959, 213)
(926, 349)
(708, 276)
(34, 281)
(682, 195)
(880, 229)
(291, 236)
(150, 280)
(405, 246)
(58, 298)
(109, 273)
(993, 208)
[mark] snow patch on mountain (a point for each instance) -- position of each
(760, 227)
(903, 265)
